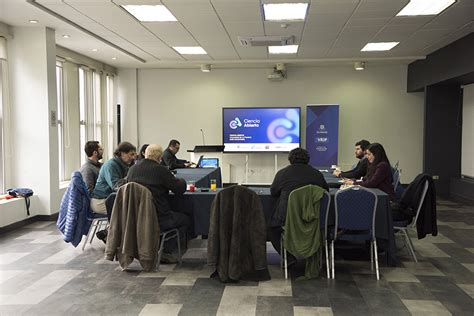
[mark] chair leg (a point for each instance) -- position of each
(371, 256)
(410, 246)
(88, 234)
(95, 231)
(376, 260)
(160, 251)
(332, 260)
(85, 240)
(327, 258)
(286, 263)
(282, 264)
(179, 246)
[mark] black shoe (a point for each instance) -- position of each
(102, 235)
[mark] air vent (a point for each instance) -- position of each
(266, 40)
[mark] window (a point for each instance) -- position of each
(82, 112)
(60, 118)
(97, 115)
(110, 115)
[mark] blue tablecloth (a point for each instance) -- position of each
(201, 176)
(332, 181)
(198, 206)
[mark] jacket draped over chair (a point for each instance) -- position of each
(237, 236)
(302, 236)
(75, 215)
(134, 230)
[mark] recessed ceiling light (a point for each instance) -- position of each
(425, 7)
(114, 58)
(150, 13)
(33, 21)
(374, 47)
(285, 11)
(190, 50)
(95, 50)
(286, 49)
(66, 36)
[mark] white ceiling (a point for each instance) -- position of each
(334, 31)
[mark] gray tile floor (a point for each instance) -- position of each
(42, 275)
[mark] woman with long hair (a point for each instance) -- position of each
(379, 172)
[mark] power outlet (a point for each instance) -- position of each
(435, 177)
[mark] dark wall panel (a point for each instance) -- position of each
(453, 61)
(442, 134)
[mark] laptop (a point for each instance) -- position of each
(199, 161)
(208, 163)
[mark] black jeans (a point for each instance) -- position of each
(175, 220)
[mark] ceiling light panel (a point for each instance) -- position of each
(425, 7)
(285, 11)
(287, 49)
(150, 13)
(190, 50)
(377, 47)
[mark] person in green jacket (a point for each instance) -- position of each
(112, 175)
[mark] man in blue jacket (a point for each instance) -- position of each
(112, 175)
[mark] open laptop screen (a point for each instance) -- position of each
(209, 163)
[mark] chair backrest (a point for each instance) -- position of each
(395, 166)
(420, 203)
(355, 209)
(395, 178)
(325, 202)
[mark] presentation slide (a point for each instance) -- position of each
(261, 129)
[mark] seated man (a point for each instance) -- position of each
(294, 176)
(360, 170)
(159, 180)
(90, 169)
(112, 175)
(169, 156)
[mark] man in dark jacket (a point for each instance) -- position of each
(360, 170)
(159, 180)
(296, 175)
(169, 156)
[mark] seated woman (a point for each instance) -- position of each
(379, 172)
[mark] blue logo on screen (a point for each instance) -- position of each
(284, 130)
(235, 123)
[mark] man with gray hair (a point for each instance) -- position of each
(159, 180)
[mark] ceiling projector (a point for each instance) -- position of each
(278, 73)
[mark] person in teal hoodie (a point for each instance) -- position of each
(112, 175)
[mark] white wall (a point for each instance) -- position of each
(467, 150)
(33, 156)
(127, 98)
(176, 103)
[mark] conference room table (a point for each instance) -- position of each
(331, 180)
(200, 176)
(198, 206)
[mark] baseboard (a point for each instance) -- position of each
(462, 189)
(27, 221)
